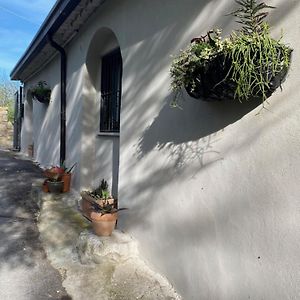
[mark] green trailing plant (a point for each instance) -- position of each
(242, 66)
(256, 60)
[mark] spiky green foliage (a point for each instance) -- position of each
(101, 192)
(251, 14)
(106, 208)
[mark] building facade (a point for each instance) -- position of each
(211, 188)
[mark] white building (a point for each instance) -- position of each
(213, 188)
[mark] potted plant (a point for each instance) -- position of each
(63, 173)
(55, 184)
(45, 187)
(248, 64)
(104, 217)
(66, 177)
(100, 195)
(53, 171)
(41, 92)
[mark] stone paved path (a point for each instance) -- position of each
(25, 272)
(95, 268)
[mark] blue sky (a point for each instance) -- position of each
(19, 22)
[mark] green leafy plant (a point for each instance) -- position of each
(55, 178)
(101, 192)
(66, 169)
(251, 15)
(242, 66)
(105, 208)
(41, 92)
(11, 111)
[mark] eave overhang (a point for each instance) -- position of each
(63, 23)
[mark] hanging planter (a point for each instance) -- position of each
(41, 92)
(249, 64)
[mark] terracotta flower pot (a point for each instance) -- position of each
(86, 204)
(103, 225)
(45, 186)
(66, 178)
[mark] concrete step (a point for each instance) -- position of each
(106, 268)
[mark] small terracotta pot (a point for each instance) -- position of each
(45, 186)
(103, 225)
(66, 178)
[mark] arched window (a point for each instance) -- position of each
(111, 90)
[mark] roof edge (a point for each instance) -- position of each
(58, 14)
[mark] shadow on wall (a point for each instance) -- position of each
(46, 126)
(167, 139)
(184, 136)
(100, 155)
(188, 133)
(282, 10)
(197, 120)
(73, 114)
(187, 136)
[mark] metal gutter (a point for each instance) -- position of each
(63, 101)
(59, 13)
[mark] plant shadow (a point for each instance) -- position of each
(190, 132)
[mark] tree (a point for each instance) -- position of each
(7, 89)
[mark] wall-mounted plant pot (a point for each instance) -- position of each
(41, 92)
(212, 83)
(45, 99)
(209, 83)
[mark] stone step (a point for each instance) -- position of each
(107, 268)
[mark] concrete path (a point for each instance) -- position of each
(95, 268)
(25, 272)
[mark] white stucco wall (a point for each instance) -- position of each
(27, 126)
(44, 120)
(212, 189)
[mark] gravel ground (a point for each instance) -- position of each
(25, 272)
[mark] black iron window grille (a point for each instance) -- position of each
(111, 89)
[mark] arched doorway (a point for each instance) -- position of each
(101, 111)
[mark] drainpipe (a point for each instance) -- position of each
(63, 79)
